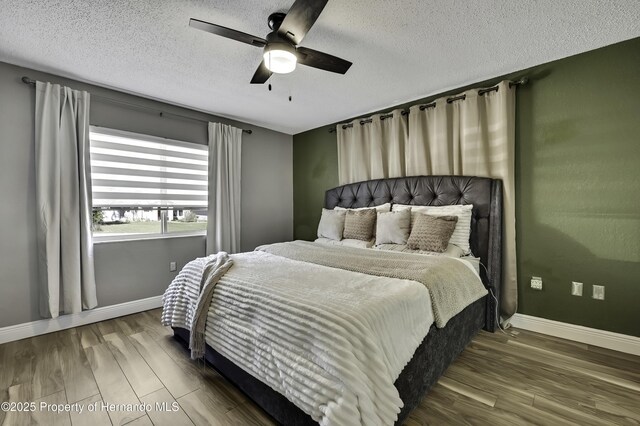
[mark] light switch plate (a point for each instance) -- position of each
(576, 288)
(536, 283)
(598, 292)
(172, 266)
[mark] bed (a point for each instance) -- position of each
(441, 345)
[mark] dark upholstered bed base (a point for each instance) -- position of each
(430, 360)
(442, 345)
(276, 405)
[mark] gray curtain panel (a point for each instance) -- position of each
(63, 200)
(223, 223)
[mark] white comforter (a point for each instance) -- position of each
(332, 341)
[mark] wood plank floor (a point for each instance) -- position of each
(500, 379)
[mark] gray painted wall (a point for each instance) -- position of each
(132, 270)
(129, 270)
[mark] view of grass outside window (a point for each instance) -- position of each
(134, 221)
(144, 185)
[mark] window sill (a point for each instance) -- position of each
(103, 239)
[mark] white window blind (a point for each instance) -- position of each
(140, 171)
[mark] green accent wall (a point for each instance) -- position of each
(577, 183)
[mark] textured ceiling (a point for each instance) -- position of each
(401, 49)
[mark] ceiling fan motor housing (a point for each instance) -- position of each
(279, 53)
(275, 20)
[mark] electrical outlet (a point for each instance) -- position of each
(598, 292)
(576, 288)
(536, 283)
(172, 266)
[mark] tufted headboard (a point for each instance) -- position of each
(486, 222)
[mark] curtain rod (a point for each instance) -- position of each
(27, 80)
(522, 81)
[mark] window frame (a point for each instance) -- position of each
(106, 238)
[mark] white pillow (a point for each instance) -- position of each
(386, 207)
(393, 227)
(346, 242)
(462, 232)
(331, 224)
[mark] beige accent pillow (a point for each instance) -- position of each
(358, 224)
(462, 232)
(432, 233)
(386, 207)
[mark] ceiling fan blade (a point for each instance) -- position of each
(300, 18)
(227, 32)
(323, 61)
(262, 74)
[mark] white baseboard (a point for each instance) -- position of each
(577, 333)
(36, 328)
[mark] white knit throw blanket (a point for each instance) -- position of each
(185, 305)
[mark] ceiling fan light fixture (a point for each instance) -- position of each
(280, 58)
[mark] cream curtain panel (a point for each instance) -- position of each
(63, 201)
(372, 151)
(223, 224)
(474, 136)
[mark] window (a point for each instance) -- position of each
(146, 185)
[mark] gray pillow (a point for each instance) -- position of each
(331, 224)
(432, 233)
(393, 227)
(359, 224)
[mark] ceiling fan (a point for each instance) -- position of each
(282, 48)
